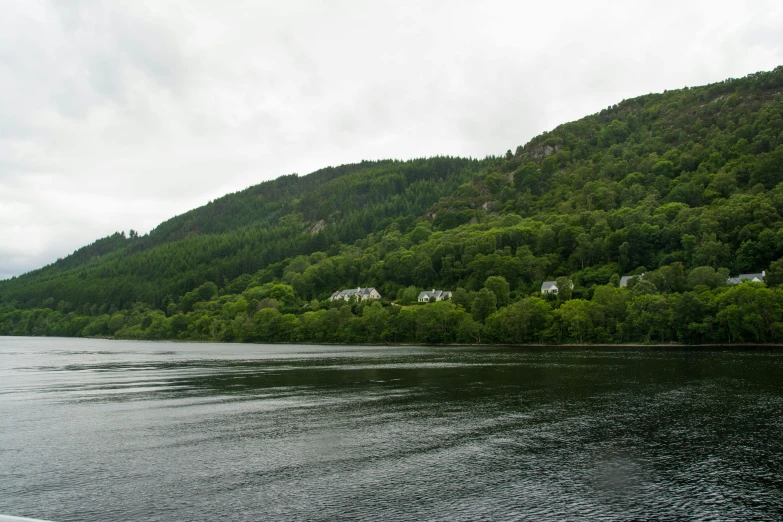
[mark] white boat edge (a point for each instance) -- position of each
(6, 518)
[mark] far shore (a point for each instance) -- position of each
(468, 345)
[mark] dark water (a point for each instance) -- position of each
(103, 430)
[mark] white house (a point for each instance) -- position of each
(550, 287)
(756, 278)
(361, 294)
(429, 296)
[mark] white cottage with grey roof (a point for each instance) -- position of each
(550, 287)
(755, 278)
(361, 294)
(429, 296)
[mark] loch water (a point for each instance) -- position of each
(115, 430)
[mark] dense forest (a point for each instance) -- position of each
(683, 189)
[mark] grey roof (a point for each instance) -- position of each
(547, 285)
(353, 291)
(746, 277)
(624, 280)
(434, 293)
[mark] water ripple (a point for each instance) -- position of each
(173, 431)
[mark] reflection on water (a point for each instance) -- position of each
(109, 430)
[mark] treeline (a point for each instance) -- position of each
(697, 308)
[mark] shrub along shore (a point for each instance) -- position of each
(270, 313)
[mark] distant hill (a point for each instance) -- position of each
(683, 186)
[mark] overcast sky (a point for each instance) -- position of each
(117, 115)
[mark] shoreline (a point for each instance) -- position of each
(454, 345)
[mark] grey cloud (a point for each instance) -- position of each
(106, 48)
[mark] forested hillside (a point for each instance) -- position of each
(684, 187)
(242, 233)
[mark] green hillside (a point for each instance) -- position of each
(685, 187)
(242, 233)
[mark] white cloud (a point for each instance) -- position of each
(118, 115)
